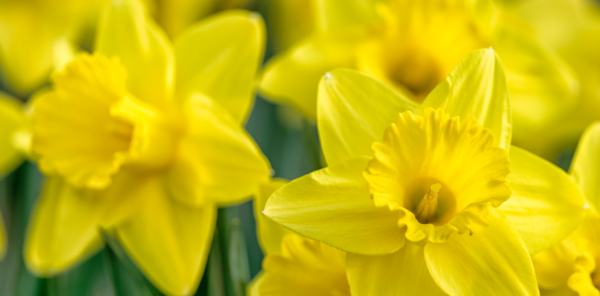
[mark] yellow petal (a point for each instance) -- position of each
(354, 110)
(554, 266)
(333, 206)
(293, 76)
(216, 161)
(168, 241)
(401, 273)
(586, 165)
(477, 87)
(546, 205)
(290, 21)
(219, 57)
(542, 86)
(63, 229)
(270, 233)
(492, 262)
(252, 289)
(304, 267)
(126, 32)
(12, 119)
(341, 14)
(177, 15)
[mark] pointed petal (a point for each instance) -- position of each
(492, 262)
(354, 110)
(401, 273)
(63, 228)
(270, 234)
(293, 76)
(477, 87)
(168, 241)
(333, 206)
(216, 161)
(12, 119)
(342, 14)
(219, 57)
(546, 205)
(586, 165)
(542, 87)
(126, 31)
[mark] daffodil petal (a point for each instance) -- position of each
(546, 205)
(270, 233)
(542, 87)
(477, 87)
(586, 165)
(219, 57)
(333, 206)
(354, 110)
(127, 32)
(554, 266)
(293, 76)
(167, 240)
(63, 229)
(215, 152)
(341, 14)
(252, 289)
(401, 273)
(11, 119)
(492, 262)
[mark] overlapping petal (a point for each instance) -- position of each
(341, 14)
(353, 111)
(333, 206)
(126, 31)
(167, 240)
(270, 234)
(207, 53)
(546, 205)
(12, 118)
(401, 273)
(214, 153)
(492, 262)
(586, 165)
(477, 87)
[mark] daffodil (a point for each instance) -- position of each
(144, 139)
(12, 124)
(295, 265)
(572, 28)
(412, 46)
(429, 199)
(571, 267)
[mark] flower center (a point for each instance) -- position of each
(89, 126)
(440, 172)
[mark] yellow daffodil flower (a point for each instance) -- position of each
(572, 28)
(412, 46)
(571, 267)
(144, 140)
(429, 199)
(295, 265)
(12, 123)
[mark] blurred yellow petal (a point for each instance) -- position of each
(341, 14)
(126, 31)
(492, 262)
(219, 57)
(477, 87)
(214, 153)
(304, 267)
(177, 15)
(293, 76)
(586, 165)
(542, 86)
(290, 21)
(168, 241)
(354, 110)
(333, 206)
(252, 289)
(401, 273)
(270, 234)
(554, 266)
(64, 225)
(12, 119)
(546, 205)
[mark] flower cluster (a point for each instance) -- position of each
(436, 133)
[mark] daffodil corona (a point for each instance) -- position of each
(145, 157)
(429, 199)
